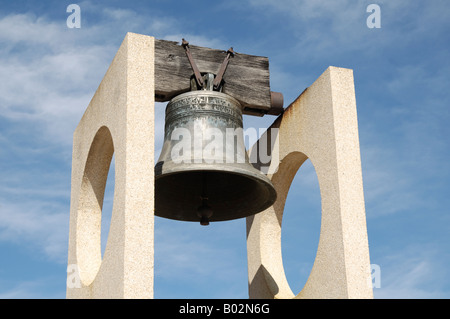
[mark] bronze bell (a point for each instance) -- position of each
(203, 173)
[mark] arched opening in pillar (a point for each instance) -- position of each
(90, 207)
(301, 226)
(107, 208)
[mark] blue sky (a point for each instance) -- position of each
(49, 73)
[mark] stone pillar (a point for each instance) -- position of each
(119, 120)
(321, 124)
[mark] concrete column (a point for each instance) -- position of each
(119, 120)
(321, 124)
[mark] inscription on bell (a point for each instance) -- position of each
(204, 103)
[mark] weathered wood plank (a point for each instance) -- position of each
(246, 78)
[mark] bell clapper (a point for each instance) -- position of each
(204, 212)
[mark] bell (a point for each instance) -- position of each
(203, 173)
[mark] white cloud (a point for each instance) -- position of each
(39, 288)
(22, 290)
(26, 28)
(336, 29)
(318, 25)
(416, 272)
(48, 76)
(40, 224)
(388, 187)
(399, 161)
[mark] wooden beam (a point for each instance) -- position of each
(246, 78)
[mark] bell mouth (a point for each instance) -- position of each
(230, 194)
